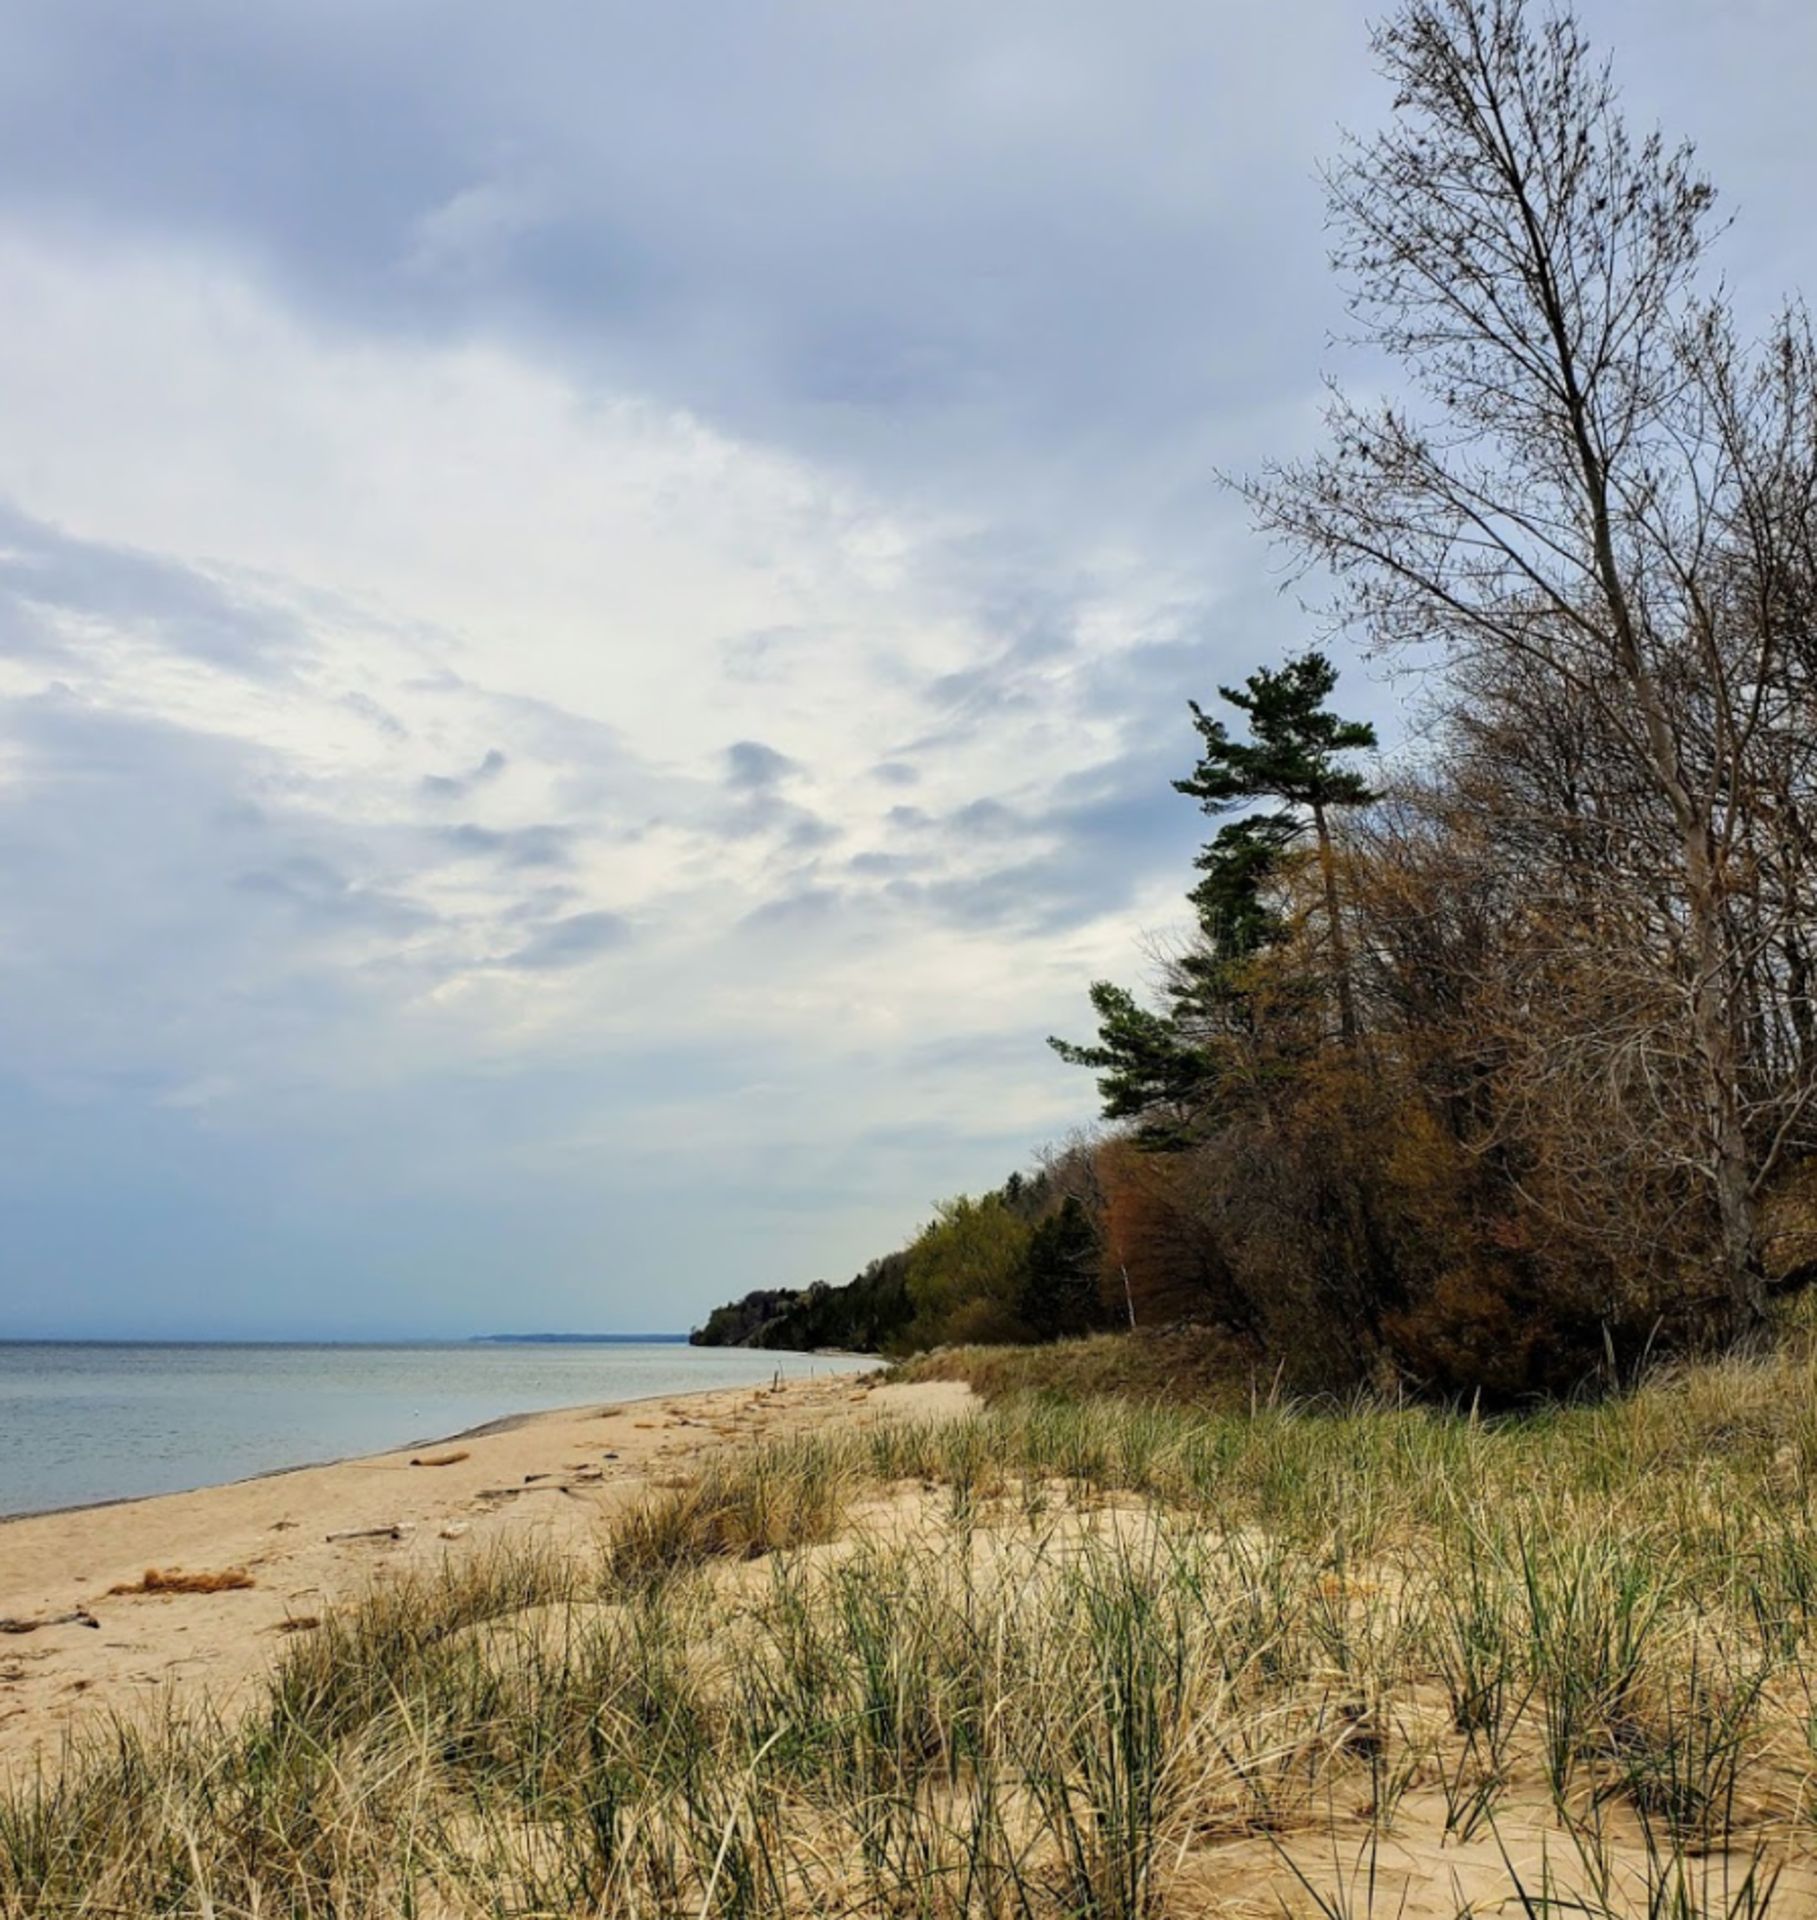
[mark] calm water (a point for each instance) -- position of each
(81, 1422)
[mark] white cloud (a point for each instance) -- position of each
(472, 815)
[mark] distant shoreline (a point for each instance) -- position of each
(577, 1340)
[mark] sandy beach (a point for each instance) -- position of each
(309, 1538)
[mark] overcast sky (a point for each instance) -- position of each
(597, 601)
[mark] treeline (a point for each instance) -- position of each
(1498, 1066)
(1021, 1263)
(866, 1315)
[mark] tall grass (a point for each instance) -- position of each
(1063, 1657)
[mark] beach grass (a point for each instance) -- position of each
(1089, 1656)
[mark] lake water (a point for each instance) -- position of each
(82, 1422)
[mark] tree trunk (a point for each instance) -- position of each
(1713, 992)
(1710, 1013)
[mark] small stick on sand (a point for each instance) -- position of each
(395, 1531)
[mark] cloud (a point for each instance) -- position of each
(56, 589)
(544, 845)
(457, 786)
(571, 942)
(987, 818)
(316, 891)
(887, 865)
(752, 767)
(805, 907)
(807, 834)
(472, 232)
(757, 774)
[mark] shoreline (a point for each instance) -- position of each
(312, 1537)
(504, 1423)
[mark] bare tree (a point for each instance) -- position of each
(1590, 481)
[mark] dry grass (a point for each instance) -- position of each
(1091, 1658)
(1183, 1366)
(175, 1580)
(743, 1506)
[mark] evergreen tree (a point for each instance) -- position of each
(1292, 756)
(1148, 1071)
(1060, 1275)
(1236, 921)
(1162, 1069)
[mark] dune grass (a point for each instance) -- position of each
(1090, 1657)
(1180, 1366)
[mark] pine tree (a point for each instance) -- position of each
(1161, 1069)
(1148, 1071)
(1293, 756)
(1237, 921)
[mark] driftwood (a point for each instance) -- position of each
(80, 1617)
(395, 1531)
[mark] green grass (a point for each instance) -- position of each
(1065, 1657)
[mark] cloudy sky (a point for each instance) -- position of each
(596, 604)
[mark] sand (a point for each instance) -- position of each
(560, 1477)
(554, 1476)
